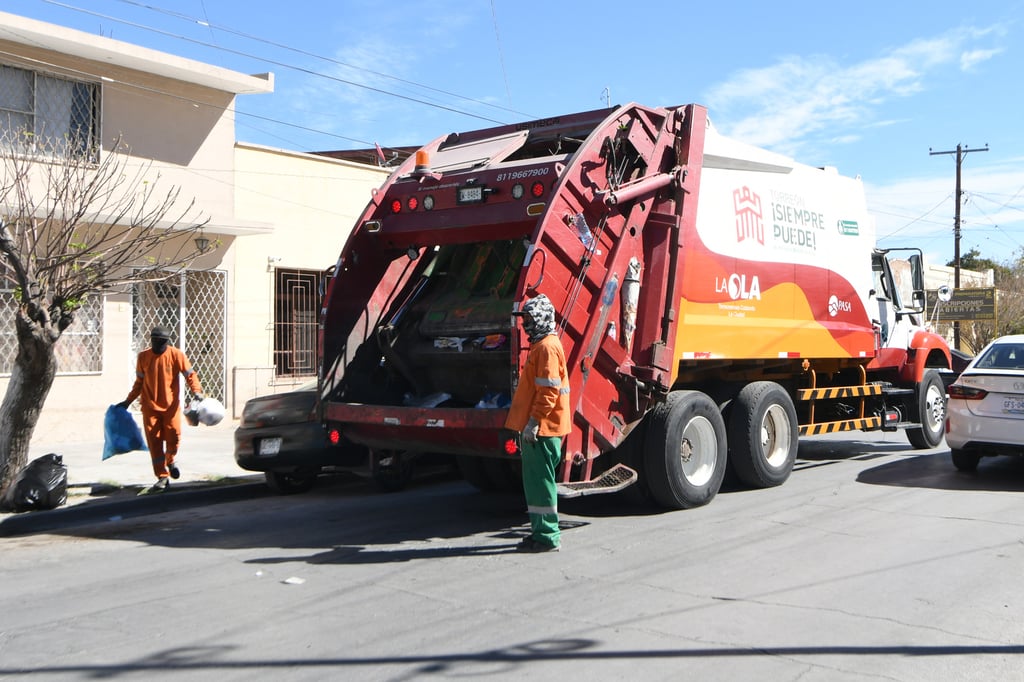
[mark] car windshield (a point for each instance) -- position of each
(1002, 356)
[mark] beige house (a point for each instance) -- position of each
(245, 313)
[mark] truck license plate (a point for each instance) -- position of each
(470, 195)
(270, 446)
(1014, 404)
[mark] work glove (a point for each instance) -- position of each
(123, 403)
(530, 432)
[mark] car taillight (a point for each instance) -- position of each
(396, 205)
(334, 436)
(966, 392)
(537, 189)
(412, 203)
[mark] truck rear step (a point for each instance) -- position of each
(615, 479)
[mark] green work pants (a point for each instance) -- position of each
(540, 462)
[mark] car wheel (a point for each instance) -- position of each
(965, 461)
(289, 483)
(931, 411)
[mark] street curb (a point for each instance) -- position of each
(104, 510)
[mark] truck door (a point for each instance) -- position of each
(882, 292)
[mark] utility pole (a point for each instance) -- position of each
(960, 152)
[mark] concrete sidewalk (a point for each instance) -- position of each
(205, 457)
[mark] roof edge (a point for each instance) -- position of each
(40, 34)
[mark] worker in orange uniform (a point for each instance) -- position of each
(540, 410)
(157, 387)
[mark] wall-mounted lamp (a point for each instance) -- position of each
(202, 242)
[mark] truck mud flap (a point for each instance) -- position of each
(615, 479)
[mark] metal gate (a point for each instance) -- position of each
(193, 305)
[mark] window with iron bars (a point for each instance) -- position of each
(48, 115)
(297, 299)
(79, 350)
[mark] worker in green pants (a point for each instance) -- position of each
(540, 410)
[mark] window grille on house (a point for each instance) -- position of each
(79, 350)
(48, 115)
(193, 306)
(296, 310)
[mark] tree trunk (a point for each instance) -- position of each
(34, 369)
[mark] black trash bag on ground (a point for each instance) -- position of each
(43, 484)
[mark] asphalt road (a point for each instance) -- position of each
(873, 562)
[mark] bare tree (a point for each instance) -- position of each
(74, 222)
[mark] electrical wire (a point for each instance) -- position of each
(919, 218)
(107, 80)
(274, 62)
(501, 54)
(331, 60)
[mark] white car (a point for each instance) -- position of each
(985, 413)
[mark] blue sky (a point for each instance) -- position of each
(869, 87)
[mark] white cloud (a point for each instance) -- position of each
(919, 211)
(971, 58)
(801, 98)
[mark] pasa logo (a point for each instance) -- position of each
(836, 306)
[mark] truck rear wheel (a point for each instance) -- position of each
(685, 450)
(931, 410)
(763, 434)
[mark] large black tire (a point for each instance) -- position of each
(965, 461)
(931, 411)
(763, 434)
(685, 450)
(290, 483)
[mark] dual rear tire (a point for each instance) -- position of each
(688, 444)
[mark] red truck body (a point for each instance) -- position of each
(715, 302)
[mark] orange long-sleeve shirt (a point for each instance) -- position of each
(543, 390)
(156, 380)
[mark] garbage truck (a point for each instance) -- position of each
(716, 302)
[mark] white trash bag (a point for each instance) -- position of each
(210, 411)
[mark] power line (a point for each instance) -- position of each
(249, 36)
(156, 91)
(501, 55)
(285, 65)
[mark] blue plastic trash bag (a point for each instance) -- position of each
(120, 432)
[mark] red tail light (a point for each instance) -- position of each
(537, 189)
(334, 436)
(966, 392)
(511, 446)
(396, 205)
(412, 203)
